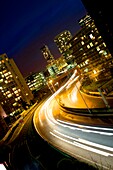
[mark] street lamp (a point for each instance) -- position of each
(51, 83)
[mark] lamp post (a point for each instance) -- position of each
(103, 97)
(51, 83)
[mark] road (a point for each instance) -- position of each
(30, 151)
(71, 134)
(91, 144)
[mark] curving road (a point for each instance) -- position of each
(91, 144)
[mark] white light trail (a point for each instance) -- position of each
(83, 146)
(86, 142)
(86, 128)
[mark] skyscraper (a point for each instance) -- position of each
(61, 41)
(90, 51)
(13, 88)
(51, 63)
(102, 13)
(47, 54)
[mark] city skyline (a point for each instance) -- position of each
(26, 27)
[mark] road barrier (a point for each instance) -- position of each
(94, 112)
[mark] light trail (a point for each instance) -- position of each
(85, 127)
(77, 144)
(67, 132)
(86, 142)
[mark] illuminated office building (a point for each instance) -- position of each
(102, 13)
(61, 41)
(13, 88)
(62, 64)
(90, 51)
(35, 81)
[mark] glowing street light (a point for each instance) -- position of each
(51, 83)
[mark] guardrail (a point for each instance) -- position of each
(93, 112)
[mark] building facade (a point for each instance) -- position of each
(51, 62)
(61, 41)
(90, 51)
(13, 88)
(47, 54)
(35, 81)
(102, 13)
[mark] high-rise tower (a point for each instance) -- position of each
(90, 51)
(51, 63)
(13, 88)
(47, 54)
(61, 41)
(102, 13)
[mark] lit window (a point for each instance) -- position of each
(6, 81)
(1, 80)
(86, 70)
(7, 92)
(15, 104)
(19, 98)
(88, 46)
(86, 61)
(104, 44)
(6, 74)
(91, 44)
(9, 95)
(99, 37)
(82, 42)
(16, 91)
(4, 71)
(14, 88)
(81, 49)
(91, 36)
(94, 71)
(98, 49)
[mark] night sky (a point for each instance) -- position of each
(26, 25)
